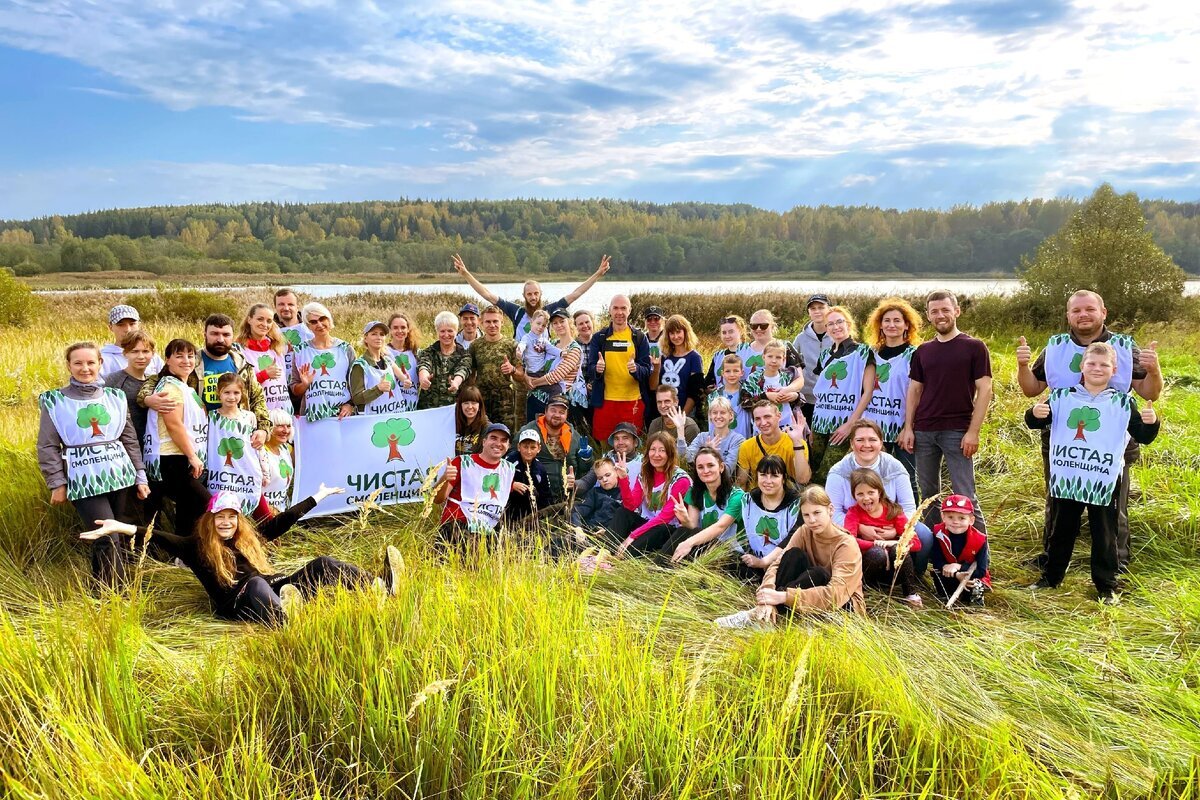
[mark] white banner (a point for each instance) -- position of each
(390, 453)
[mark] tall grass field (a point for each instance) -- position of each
(513, 676)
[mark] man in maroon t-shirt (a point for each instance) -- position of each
(949, 391)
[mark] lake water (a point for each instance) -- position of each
(598, 297)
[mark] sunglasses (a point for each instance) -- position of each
(729, 320)
(759, 326)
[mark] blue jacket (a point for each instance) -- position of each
(641, 358)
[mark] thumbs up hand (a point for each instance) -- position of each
(507, 368)
(1148, 358)
(1148, 415)
(1024, 352)
(1041, 410)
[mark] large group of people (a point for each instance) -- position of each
(805, 461)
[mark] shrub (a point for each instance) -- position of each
(188, 305)
(18, 303)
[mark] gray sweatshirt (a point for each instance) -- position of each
(50, 444)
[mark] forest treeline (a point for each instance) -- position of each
(547, 236)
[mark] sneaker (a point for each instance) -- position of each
(393, 566)
(291, 599)
(741, 619)
(915, 601)
(1110, 598)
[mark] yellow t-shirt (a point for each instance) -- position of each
(749, 454)
(166, 445)
(619, 385)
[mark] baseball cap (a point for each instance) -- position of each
(372, 325)
(469, 308)
(529, 435)
(560, 312)
(818, 298)
(624, 427)
(558, 399)
(497, 426)
(960, 503)
(654, 311)
(223, 500)
(118, 313)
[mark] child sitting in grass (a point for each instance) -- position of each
(598, 508)
(877, 523)
(957, 547)
(1089, 423)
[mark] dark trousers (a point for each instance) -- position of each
(258, 599)
(1132, 452)
(822, 456)
(648, 543)
(1066, 519)
(909, 460)
(581, 420)
(111, 555)
(190, 494)
(879, 570)
(797, 572)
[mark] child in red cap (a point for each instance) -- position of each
(957, 544)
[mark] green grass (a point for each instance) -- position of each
(514, 677)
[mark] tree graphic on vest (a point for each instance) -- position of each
(882, 373)
(835, 371)
(491, 482)
(265, 361)
(285, 471)
(393, 434)
(293, 337)
(1084, 418)
(93, 415)
(1076, 363)
(323, 362)
(754, 362)
(768, 529)
(402, 360)
(231, 448)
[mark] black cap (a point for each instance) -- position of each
(559, 399)
(818, 298)
(654, 311)
(497, 426)
(625, 427)
(560, 312)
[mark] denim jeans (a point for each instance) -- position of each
(931, 449)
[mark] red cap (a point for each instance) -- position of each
(960, 503)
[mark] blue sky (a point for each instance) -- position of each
(777, 104)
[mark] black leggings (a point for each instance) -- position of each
(190, 494)
(258, 599)
(797, 572)
(650, 542)
(111, 555)
(878, 566)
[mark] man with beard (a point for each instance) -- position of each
(949, 391)
(1059, 367)
(217, 358)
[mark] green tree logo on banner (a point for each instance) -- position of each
(834, 372)
(1084, 418)
(293, 337)
(231, 448)
(1076, 363)
(93, 415)
(393, 434)
(265, 361)
(882, 373)
(323, 362)
(491, 482)
(768, 529)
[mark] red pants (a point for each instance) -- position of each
(613, 412)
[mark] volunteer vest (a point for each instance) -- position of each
(407, 361)
(743, 423)
(279, 469)
(654, 499)
(195, 421)
(330, 386)
(233, 465)
(837, 388)
(91, 434)
(1087, 443)
(744, 351)
(275, 389)
(296, 335)
(484, 492)
(710, 512)
(765, 530)
(891, 390)
(392, 401)
(1064, 360)
(776, 383)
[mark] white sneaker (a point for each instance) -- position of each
(291, 599)
(915, 601)
(741, 619)
(395, 565)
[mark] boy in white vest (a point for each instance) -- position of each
(1089, 425)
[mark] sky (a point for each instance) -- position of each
(907, 105)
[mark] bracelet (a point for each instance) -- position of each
(794, 448)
